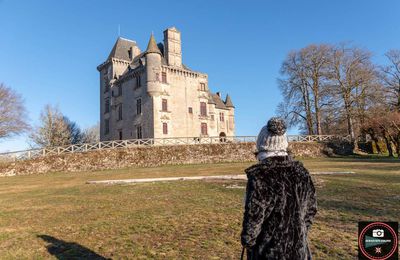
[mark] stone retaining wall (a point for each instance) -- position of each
(150, 157)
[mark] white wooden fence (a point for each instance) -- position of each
(76, 148)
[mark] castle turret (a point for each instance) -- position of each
(231, 115)
(228, 102)
(172, 44)
(153, 67)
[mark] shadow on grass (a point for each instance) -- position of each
(69, 250)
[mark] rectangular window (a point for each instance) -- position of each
(138, 81)
(107, 106)
(190, 110)
(120, 134)
(204, 128)
(221, 117)
(130, 54)
(164, 77)
(165, 128)
(138, 106)
(212, 117)
(120, 112)
(139, 132)
(203, 86)
(106, 126)
(203, 109)
(164, 105)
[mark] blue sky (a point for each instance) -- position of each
(49, 50)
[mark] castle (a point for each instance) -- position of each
(151, 94)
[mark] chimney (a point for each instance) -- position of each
(172, 47)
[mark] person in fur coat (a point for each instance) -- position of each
(280, 202)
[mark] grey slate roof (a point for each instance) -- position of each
(152, 46)
(228, 101)
(121, 48)
(218, 102)
(210, 98)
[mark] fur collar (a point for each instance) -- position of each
(270, 164)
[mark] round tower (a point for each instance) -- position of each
(153, 67)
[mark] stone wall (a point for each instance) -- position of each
(149, 157)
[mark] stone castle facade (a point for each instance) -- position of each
(152, 94)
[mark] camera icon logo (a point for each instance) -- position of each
(378, 233)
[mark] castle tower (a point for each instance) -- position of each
(172, 43)
(153, 67)
(231, 114)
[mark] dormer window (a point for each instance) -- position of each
(130, 54)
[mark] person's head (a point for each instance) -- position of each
(276, 140)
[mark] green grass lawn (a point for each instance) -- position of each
(59, 216)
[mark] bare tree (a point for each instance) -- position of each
(352, 79)
(386, 125)
(390, 75)
(315, 59)
(305, 74)
(296, 107)
(55, 129)
(12, 113)
(392, 127)
(91, 134)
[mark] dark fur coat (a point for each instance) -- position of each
(279, 210)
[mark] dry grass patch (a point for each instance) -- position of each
(58, 215)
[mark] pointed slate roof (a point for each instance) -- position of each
(218, 102)
(121, 49)
(152, 46)
(210, 98)
(228, 101)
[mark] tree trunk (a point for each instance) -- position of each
(318, 120)
(307, 107)
(317, 115)
(376, 141)
(350, 124)
(316, 103)
(388, 145)
(398, 98)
